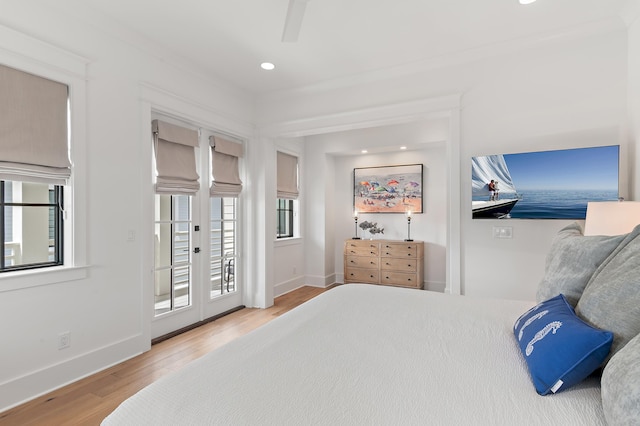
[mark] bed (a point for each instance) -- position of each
(367, 354)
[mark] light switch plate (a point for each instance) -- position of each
(502, 232)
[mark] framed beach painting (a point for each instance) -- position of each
(388, 189)
(543, 185)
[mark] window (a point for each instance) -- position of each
(32, 225)
(287, 190)
(285, 218)
(34, 167)
(223, 246)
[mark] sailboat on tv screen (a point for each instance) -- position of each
(496, 204)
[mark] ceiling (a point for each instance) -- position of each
(338, 39)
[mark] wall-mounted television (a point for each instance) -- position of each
(543, 185)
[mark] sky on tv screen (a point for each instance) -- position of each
(571, 169)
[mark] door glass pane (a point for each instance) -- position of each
(182, 250)
(162, 291)
(223, 246)
(172, 253)
(181, 293)
(164, 236)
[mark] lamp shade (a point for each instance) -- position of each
(611, 217)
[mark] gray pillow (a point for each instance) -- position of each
(611, 300)
(572, 260)
(621, 386)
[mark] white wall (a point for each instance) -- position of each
(634, 102)
(105, 312)
(558, 94)
(568, 96)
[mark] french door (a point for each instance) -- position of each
(196, 262)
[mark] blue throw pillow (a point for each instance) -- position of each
(560, 349)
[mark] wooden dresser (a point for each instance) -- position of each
(386, 262)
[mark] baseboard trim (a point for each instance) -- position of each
(287, 286)
(27, 387)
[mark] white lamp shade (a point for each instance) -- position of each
(611, 217)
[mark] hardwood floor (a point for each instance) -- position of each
(90, 400)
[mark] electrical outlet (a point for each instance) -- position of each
(294, 270)
(64, 340)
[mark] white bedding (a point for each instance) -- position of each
(362, 354)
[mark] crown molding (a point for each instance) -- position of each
(41, 55)
(364, 118)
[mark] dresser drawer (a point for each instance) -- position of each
(361, 275)
(399, 264)
(400, 279)
(368, 250)
(399, 250)
(362, 262)
(363, 244)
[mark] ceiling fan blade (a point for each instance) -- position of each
(293, 22)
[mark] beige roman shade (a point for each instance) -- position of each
(225, 167)
(34, 143)
(175, 158)
(287, 176)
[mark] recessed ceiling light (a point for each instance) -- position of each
(267, 66)
(527, 1)
(403, 147)
(364, 151)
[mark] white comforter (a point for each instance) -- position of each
(367, 355)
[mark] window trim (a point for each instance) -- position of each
(27, 278)
(70, 69)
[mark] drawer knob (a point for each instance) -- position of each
(408, 254)
(373, 252)
(387, 277)
(371, 276)
(409, 279)
(373, 263)
(352, 261)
